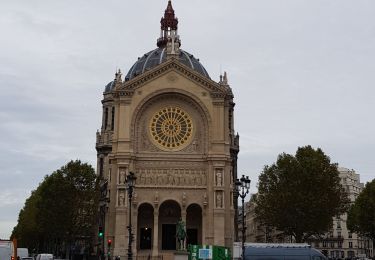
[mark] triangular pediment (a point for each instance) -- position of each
(174, 65)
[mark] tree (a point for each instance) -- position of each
(361, 216)
(61, 210)
(300, 194)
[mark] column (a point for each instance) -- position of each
(155, 240)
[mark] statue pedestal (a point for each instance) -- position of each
(181, 255)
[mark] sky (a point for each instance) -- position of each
(302, 73)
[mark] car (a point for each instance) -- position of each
(44, 257)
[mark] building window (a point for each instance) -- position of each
(338, 224)
(339, 234)
(339, 244)
(324, 243)
(350, 244)
(101, 163)
(105, 118)
(113, 119)
(350, 235)
(332, 245)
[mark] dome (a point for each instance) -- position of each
(109, 87)
(159, 55)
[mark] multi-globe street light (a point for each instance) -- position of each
(130, 181)
(242, 189)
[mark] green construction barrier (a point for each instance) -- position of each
(197, 252)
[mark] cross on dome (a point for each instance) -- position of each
(168, 33)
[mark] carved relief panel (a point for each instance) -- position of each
(176, 177)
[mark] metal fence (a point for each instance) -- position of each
(149, 257)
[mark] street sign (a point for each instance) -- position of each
(205, 253)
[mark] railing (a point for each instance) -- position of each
(149, 257)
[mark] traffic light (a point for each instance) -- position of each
(109, 242)
(100, 234)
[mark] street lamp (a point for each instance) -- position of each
(130, 181)
(242, 188)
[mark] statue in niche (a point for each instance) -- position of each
(219, 200)
(121, 198)
(219, 179)
(122, 177)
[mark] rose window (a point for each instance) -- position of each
(171, 128)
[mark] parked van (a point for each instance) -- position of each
(22, 252)
(263, 251)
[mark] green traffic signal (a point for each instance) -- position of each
(100, 232)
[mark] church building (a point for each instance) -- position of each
(171, 125)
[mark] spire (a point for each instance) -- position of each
(168, 33)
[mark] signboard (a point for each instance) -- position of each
(198, 252)
(205, 253)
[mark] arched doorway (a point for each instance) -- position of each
(145, 226)
(194, 225)
(169, 214)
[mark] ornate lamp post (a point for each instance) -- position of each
(130, 181)
(242, 188)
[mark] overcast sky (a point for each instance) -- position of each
(302, 72)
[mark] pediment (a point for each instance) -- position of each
(215, 89)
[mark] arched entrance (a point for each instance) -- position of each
(194, 224)
(145, 226)
(169, 214)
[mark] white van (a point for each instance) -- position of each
(22, 252)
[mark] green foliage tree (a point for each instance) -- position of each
(361, 216)
(300, 194)
(61, 210)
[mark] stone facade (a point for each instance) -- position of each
(173, 128)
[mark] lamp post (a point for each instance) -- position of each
(242, 188)
(130, 181)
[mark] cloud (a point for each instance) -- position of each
(301, 73)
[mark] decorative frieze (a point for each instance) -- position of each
(176, 177)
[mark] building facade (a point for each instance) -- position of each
(171, 125)
(338, 243)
